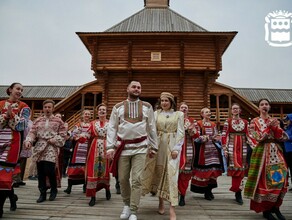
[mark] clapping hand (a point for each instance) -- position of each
(274, 123)
(217, 138)
(27, 145)
(52, 141)
(9, 111)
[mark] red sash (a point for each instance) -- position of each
(114, 165)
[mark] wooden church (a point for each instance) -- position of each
(165, 52)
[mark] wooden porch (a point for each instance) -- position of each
(75, 205)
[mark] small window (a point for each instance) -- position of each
(155, 56)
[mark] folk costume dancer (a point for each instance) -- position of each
(48, 133)
(76, 168)
(68, 148)
(207, 163)
(14, 116)
(131, 134)
(24, 154)
(59, 164)
(267, 180)
(170, 131)
(186, 157)
(288, 145)
(235, 137)
(97, 164)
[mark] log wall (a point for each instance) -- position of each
(154, 83)
(197, 53)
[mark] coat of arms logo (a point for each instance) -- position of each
(278, 29)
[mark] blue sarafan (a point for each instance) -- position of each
(288, 143)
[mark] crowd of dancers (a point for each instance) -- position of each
(162, 152)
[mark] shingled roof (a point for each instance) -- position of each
(42, 92)
(151, 19)
(60, 92)
(274, 95)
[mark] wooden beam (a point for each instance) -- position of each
(130, 47)
(82, 101)
(94, 59)
(206, 82)
(145, 67)
(229, 104)
(281, 111)
(217, 108)
(217, 54)
(94, 105)
(130, 72)
(106, 82)
(182, 69)
(32, 110)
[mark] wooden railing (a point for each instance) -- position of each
(73, 120)
(223, 115)
(278, 115)
(36, 114)
(75, 117)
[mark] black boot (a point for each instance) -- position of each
(92, 201)
(13, 200)
(84, 188)
(68, 190)
(268, 215)
(279, 215)
(238, 198)
(15, 185)
(182, 201)
(118, 188)
(21, 183)
(209, 195)
(3, 195)
(108, 194)
(42, 198)
(53, 195)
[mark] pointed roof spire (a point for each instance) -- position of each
(156, 3)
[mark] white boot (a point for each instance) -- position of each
(125, 213)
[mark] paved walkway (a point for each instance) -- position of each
(75, 206)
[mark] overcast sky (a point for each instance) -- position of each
(38, 44)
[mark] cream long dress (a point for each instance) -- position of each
(170, 132)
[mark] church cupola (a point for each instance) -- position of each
(156, 3)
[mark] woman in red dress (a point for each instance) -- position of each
(235, 136)
(267, 180)
(76, 169)
(97, 165)
(14, 116)
(186, 156)
(207, 163)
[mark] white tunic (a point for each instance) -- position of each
(131, 120)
